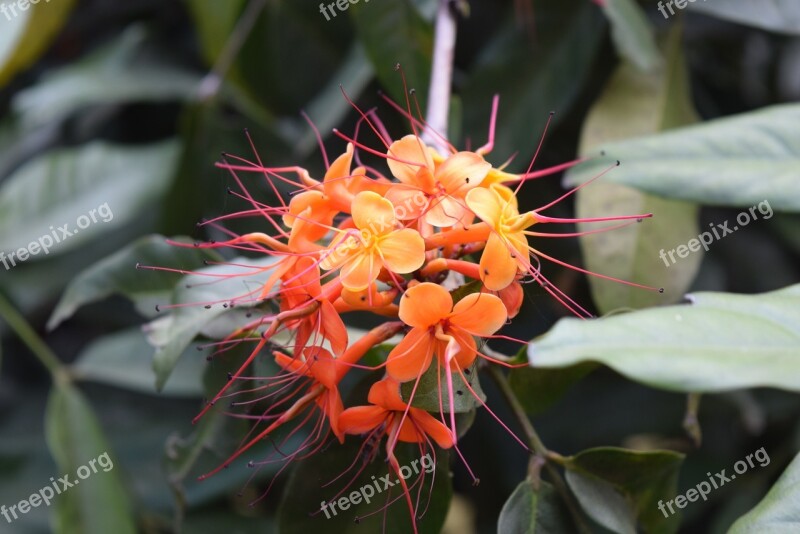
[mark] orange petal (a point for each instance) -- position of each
(361, 419)
(480, 314)
(386, 393)
(412, 155)
(342, 249)
(332, 327)
(433, 427)
(486, 204)
(403, 251)
(373, 213)
(362, 269)
(461, 172)
(293, 365)
(321, 366)
(445, 211)
(333, 409)
(424, 305)
(498, 266)
(411, 357)
(467, 349)
(409, 202)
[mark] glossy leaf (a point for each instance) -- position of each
(739, 161)
(538, 389)
(117, 274)
(97, 503)
(719, 342)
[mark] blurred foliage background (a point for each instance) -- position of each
(131, 103)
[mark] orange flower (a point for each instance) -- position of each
(442, 329)
(432, 190)
(387, 411)
(360, 255)
(506, 250)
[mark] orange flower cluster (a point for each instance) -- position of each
(364, 240)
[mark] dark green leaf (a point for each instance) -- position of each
(117, 274)
(532, 510)
(432, 393)
(392, 33)
(781, 16)
(97, 503)
(612, 483)
(538, 389)
(99, 186)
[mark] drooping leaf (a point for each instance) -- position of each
(719, 342)
(122, 72)
(117, 274)
(632, 34)
(392, 33)
(124, 359)
(532, 510)
(636, 103)
(779, 511)
(568, 36)
(622, 487)
(741, 161)
(782, 16)
(97, 502)
(238, 282)
(69, 196)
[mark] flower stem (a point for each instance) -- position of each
(438, 110)
(541, 454)
(32, 340)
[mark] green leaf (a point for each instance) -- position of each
(602, 502)
(117, 274)
(124, 71)
(612, 483)
(27, 33)
(532, 510)
(172, 333)
(432, 393)
(632, 34)
(779, 511)
(782, 16)
(538, 389)
(740, 161)
(636, 103)
(719, 342)
(568, 37)
(310, 484)
(96, 504)
(124, 359)
(395, 32)
(99, 186)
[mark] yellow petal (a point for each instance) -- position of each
(373, 213)
(407, 156)
(424, 305)
(498, 263)
(486, 204)
(403, 251)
